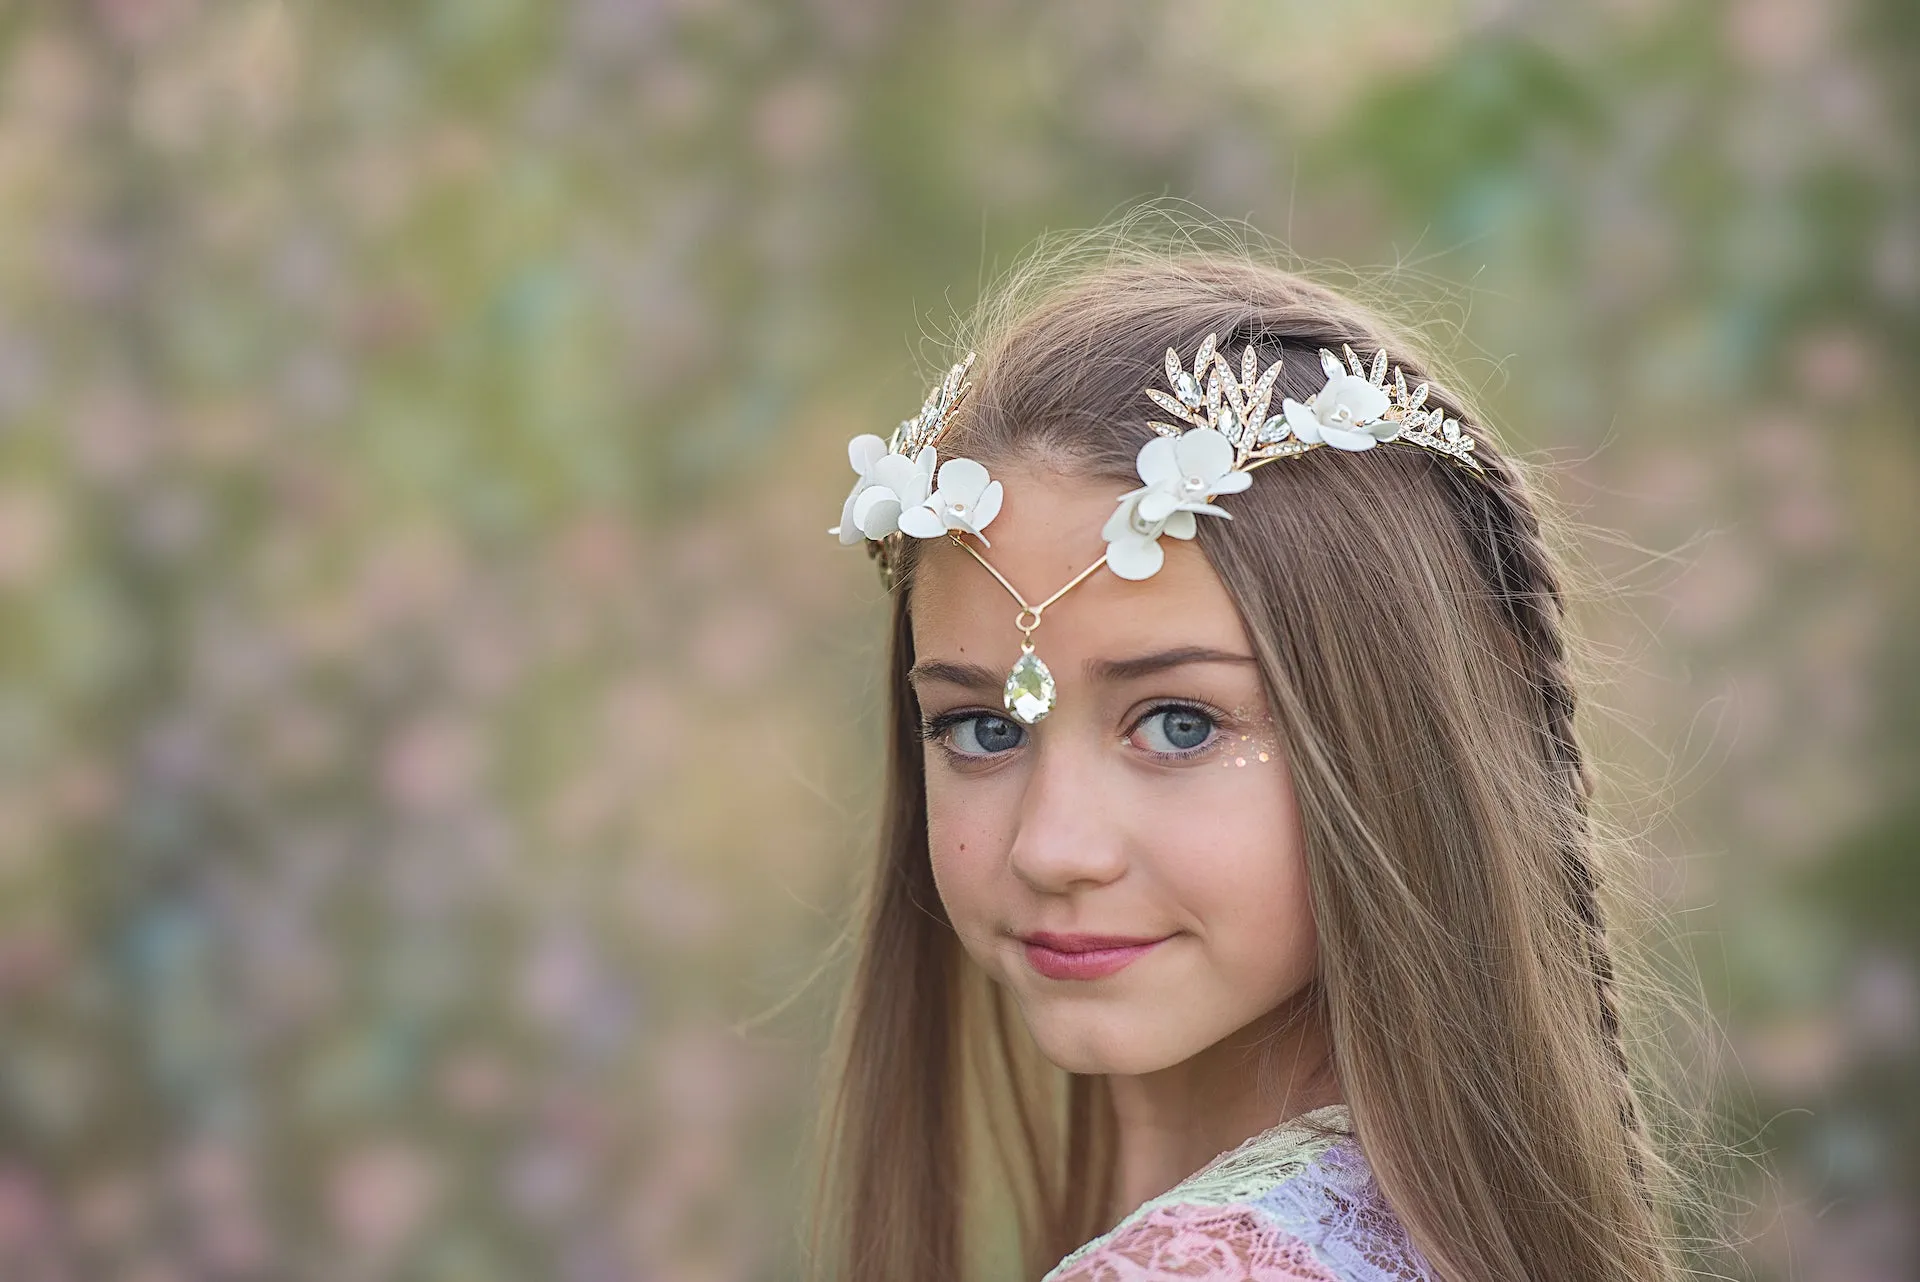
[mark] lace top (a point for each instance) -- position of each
(1286, 1206)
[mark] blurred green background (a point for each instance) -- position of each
(437, 738)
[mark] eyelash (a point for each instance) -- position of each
(934, 730)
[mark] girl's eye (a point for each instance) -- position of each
(1174, 730)
(978, 734)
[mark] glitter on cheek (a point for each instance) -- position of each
(1261, 745)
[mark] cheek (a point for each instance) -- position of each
(966, 842)
(1249, 893)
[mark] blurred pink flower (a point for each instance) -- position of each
(1719, 589)
(558, 977)
(736, 641)
(1670, 480)
(587, 803)
(598, 551)
(1835, 366)
(487, 657)
(379, 1192)
(26, 1221)
(476, 1083)
(237, 1246)
(32, 526)
(32, 955)
(669, 908)
(213, 1176)
(795, 123)
(298, 741)
(639, 715)
(1775, 36)
(704, 1078)
(432, 763)
(413, 576)
(1782, 448)
(545, 1181)
(141, 23)
(1804, 521)
(110, 1209)
(1884, 1002)
(1795, 1055)
(223, 436)
(84, 789)
(49, 82)
(114, 437)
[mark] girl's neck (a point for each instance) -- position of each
(1174, 1121)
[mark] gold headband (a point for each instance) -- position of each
(1223, 434)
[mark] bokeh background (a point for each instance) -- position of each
(437, 739)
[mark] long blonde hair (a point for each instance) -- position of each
(1408, 618)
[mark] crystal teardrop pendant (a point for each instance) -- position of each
(1029, 694)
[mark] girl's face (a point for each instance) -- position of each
(1153, 803)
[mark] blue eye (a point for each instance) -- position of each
(1175, 729)
(977, 734)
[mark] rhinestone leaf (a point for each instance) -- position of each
(1173, 406)
(1249, 366)
(1029, 693)
(1231, 387)
(1378, 375)
(1260, 396)
(1204, 357)
(957, 385)
(1173, 368)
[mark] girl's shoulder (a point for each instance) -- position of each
(1296, 1202)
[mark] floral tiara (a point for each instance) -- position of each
(1223, 432)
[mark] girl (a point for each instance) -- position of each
(1243, 920)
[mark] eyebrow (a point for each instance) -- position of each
(972, 676)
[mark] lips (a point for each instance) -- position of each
(1085, 956)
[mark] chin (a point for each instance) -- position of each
(1104, 1047)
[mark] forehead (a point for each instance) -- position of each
(1048, 530)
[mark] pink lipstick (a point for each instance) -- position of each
(1084, 956)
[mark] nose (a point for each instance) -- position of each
(1068, 838)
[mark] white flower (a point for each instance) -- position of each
(966, 500)
(887, 483)
(862, 452)
(1133, 543)
(1346, 413)
(1182, 475)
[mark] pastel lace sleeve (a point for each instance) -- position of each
(1289, 1205)
(1234, 1243)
